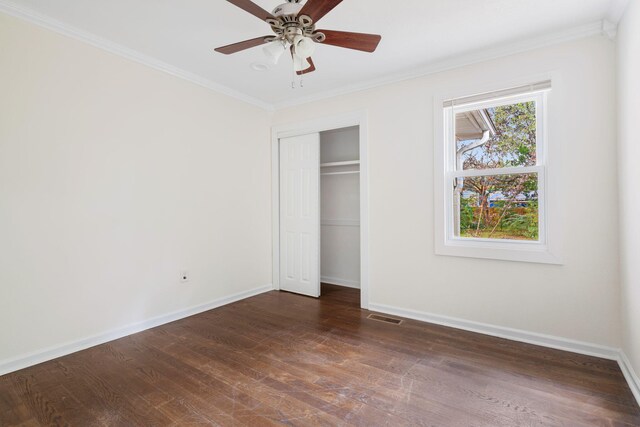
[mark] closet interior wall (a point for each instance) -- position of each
(340, 207)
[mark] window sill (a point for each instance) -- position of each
(505, 250)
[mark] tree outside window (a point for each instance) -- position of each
(493, 204)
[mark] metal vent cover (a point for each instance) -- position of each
(384, 319)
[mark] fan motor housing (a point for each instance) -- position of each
(287, 23)
(290, 8)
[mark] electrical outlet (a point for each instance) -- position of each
(184, 276)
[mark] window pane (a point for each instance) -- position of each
(497, 207)
(510, 132)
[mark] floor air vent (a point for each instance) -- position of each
(385, 319)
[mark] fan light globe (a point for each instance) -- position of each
(300, 64)
(274, 51)
(304, 46)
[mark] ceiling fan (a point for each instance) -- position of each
(295, 29)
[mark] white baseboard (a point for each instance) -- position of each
(8, 366)
(340, 282)
(502, 332)
(542, 340)
(630, 375)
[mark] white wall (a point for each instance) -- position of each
(578, 300)
(340, 209)
(113, 178)
(629, 152)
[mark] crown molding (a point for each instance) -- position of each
(592, 29)
(609, 29)
(49, 23)
(606, 27)
(616, 11)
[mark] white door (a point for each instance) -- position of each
(300, 214)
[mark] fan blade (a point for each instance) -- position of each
(237, 47)
(311, 69)
(252, 8)
(316, 9)
(357, 41)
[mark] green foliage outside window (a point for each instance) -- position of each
(503, 206)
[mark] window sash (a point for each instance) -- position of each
(452, 172)
(518, 170)
(450, 119)
(542, 224)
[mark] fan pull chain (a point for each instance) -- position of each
(293, 76)
(293, 80)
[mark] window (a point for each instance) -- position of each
(493, 174)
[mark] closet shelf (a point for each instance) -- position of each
(333, 164)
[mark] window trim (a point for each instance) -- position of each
(447, 243)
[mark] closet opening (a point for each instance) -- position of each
(340, 207)
(321, 207)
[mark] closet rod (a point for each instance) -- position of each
(340, 173)
(333, 164)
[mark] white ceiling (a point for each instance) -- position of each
(416, 34)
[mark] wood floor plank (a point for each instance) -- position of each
(284, 359)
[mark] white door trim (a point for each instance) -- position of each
(357, 118)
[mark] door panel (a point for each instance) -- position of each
(300, 214)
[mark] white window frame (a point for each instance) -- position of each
(447, 243)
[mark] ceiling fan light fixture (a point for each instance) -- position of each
(304, 47)
(300, 64)
(274, 51)
(294, 27)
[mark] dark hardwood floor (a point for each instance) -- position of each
(283, 359)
